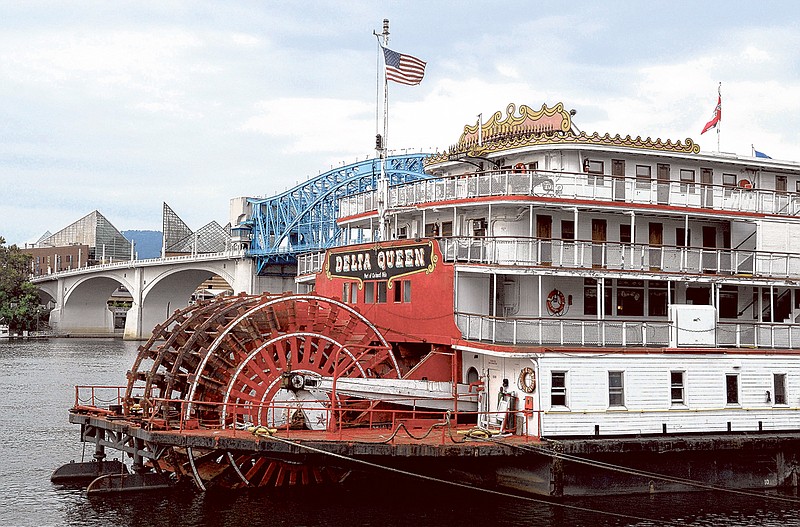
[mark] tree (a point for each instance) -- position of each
(19, 299)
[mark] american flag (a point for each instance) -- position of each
(404, 69)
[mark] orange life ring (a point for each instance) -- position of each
(527, 380)
(744, 183)
(519, 168)
(556, 302)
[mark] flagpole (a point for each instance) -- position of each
(381, 143)
(719, 123)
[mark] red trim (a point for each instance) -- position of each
(508, 348)
(591, 203)
(362, 215)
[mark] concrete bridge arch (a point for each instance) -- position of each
(157, 287)
(82, 302)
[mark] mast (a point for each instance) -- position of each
(380, 140)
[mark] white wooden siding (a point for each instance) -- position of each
(647, 394)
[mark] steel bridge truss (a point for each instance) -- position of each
(303, 219)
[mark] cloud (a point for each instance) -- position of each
(314, 125)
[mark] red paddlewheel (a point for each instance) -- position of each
(258, 361)
(259, 471)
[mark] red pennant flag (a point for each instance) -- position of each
(716, 118)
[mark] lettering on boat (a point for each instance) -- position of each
(381, 263)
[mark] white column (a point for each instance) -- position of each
(575, 235)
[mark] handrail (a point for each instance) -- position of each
(246, 417)
(577, 185)
(622, 332)
(517, 250)
(231, 254)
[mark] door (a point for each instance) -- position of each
(544, 232)
(656, 241)
(494, 384)
(662, 184)
(706, 185)
(709, 249)
(599, 238)
(618, 177)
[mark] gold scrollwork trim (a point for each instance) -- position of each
(546, 119)
(688, 146)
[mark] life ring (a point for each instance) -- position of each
(556, 302)
(519, 168)
(744, 183)
(527, 380)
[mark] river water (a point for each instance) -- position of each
(37, 380)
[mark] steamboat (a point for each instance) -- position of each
(534, 308)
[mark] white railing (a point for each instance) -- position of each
(310, 263)
(554, 331)
(149, 262)
(617, 256)
(579, 186)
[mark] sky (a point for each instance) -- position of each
(121, 106)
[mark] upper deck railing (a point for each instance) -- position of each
(618, 256)
(561, 331)
(579, 186)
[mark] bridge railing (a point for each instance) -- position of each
(128, 264)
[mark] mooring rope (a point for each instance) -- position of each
(465, 486)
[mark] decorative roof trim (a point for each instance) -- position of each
(548, 126)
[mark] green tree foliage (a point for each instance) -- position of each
(19, 300)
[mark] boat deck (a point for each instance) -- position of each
(413, 438)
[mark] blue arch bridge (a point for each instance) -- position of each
(267, 236)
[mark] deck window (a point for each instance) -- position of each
(447, 228)
(630, 298)
(677, 393)
(349, 293)
(624, 233)
(729, 301)
(381, 292)
(369, 292)
(732, 388)
(687, 180)
(781, 184)
(643, 176)
(779, 387)
(616, 389)
(402, 290)
(595, 169)
(558, 388)
(683, 238)
(590, 297)
(729, 180)
(657, 293)
(431, 230)
(567, 230)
